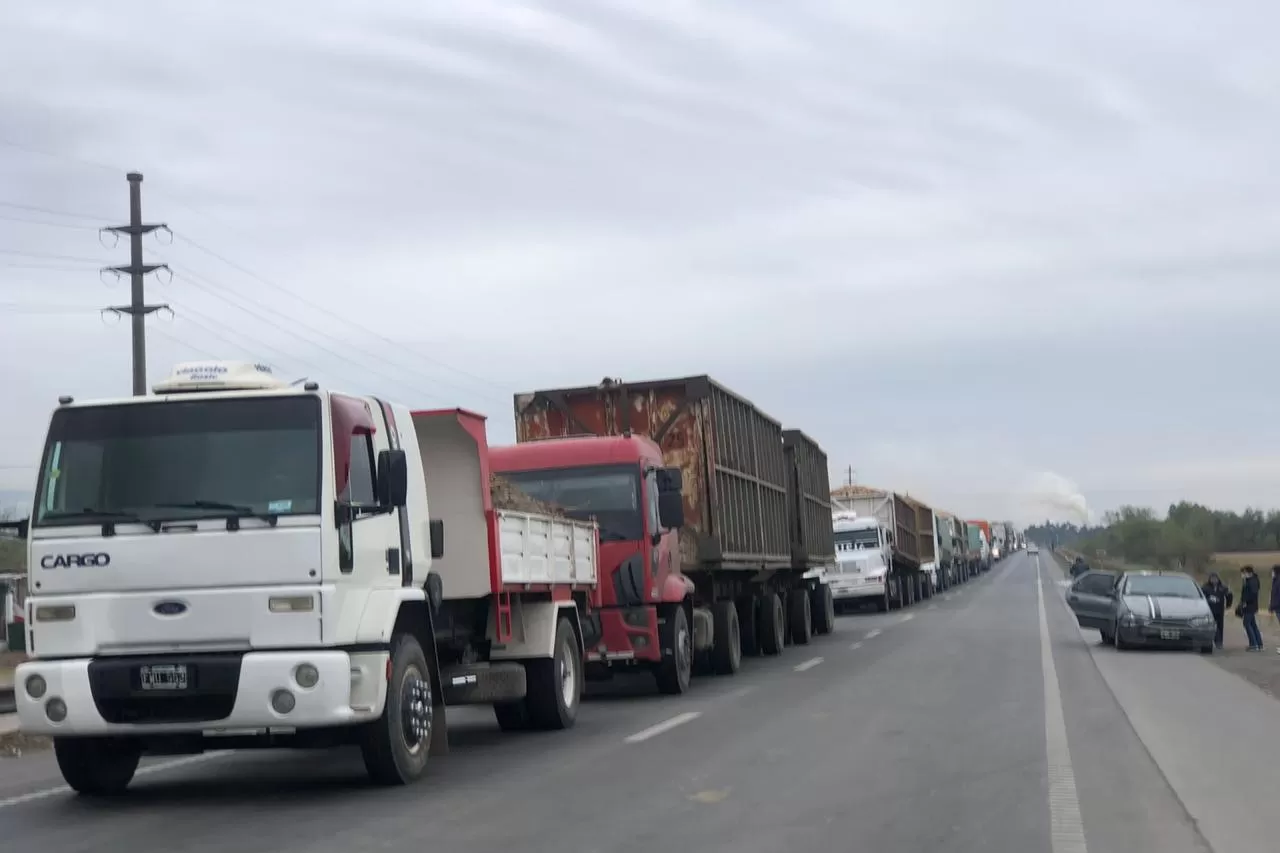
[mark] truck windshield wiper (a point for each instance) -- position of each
(108, 518)
(236, 511)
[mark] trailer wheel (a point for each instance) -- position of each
(676, 671)
(555, 683)
(96, 767)
(748, 625)
(726, 643)
(801, 617)
(395, 746)
(773, 625)
(824, 609)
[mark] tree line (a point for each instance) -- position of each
(1187, 537)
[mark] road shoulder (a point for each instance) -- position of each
(1210, 733)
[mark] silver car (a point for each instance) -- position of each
(1143, 609)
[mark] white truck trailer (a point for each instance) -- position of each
(239, 562)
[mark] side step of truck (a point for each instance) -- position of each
(484, 683)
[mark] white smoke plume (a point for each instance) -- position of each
(1058, 498)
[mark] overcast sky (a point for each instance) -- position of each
(987, 252)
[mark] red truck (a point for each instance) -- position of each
(715, 523)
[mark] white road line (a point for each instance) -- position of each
(907, 618)
(873, 633)
(1066, 828)
(664, 726)
(142, 771)
(856, 646)
(809, 664)
(946, 597)
(932, 607)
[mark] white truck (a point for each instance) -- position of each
(863, 561)
(240, 562)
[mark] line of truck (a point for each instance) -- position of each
(235, 561)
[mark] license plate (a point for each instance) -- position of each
(1166, 634)
(164, 677)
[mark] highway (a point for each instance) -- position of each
(980, 721)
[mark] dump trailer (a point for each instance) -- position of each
(950, 550)
(896, 524)
(715, 522)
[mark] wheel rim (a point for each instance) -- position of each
(568, 676)
(779, 623)
(735, 639)
(415, 709)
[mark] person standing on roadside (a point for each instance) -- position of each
(1249, 593)
(1219, 596)
(1275, 595)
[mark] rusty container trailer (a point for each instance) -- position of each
(924, 525)
(813, 541)
(906, 532)
(729, 452)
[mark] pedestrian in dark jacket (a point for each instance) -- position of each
(1249, 593)
(1275, 595)
(1219, 596)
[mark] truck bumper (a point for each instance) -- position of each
(856, 589)
(627, 635)
(224, 693)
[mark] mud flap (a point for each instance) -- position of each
(440, 737)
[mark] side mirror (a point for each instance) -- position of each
(670, 510)
(393, 479)
(436, 527)
(21, 528)
(670, 480)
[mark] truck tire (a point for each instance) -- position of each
(395, 746)
(555, 683)
(96, 767)
(824, 609)
(801, 616)
(773, 625)
(675, 673)
(748, 625)
(726, 643)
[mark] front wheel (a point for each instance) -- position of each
(675, 672)
(395, 746)
(99, 767)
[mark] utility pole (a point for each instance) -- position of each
(137, 309)
(850, 475)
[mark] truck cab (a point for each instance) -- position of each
(618, 482)
(237, 561)
(863, 560)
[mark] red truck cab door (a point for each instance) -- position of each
(665, 516)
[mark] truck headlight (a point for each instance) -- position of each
(55, 612)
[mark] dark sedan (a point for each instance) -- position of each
(1143, 609)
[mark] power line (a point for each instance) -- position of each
(31, 208)
(69, 225)
(347, 321)
(50, 256)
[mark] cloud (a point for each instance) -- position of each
(961, 247)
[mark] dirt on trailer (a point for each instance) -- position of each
(505, 495)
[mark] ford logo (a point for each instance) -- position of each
(170, 608)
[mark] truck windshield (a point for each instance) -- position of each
(180, 459)
(851, 540)
(608, 493)
(975, 537)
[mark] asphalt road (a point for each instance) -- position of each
(933, 728)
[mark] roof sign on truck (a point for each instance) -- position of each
(190, 376)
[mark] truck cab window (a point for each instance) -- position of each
(361, 486)
(651, 500)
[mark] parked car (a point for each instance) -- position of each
(1143, 608)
